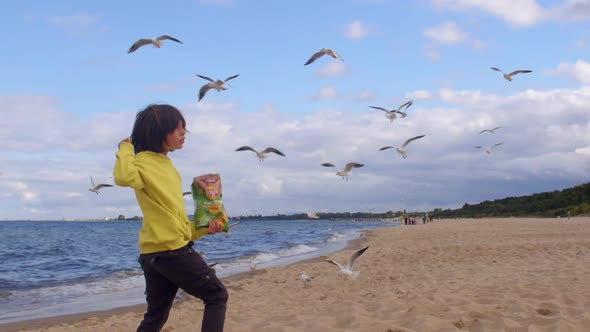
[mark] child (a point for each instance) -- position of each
(165, 239)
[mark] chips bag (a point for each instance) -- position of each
(208, 201)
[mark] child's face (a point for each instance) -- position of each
(175, 140)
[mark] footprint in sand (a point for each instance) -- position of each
(548, 310)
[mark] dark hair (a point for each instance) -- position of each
(152, 125)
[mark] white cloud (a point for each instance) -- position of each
(446, 33)
(356, 31)
(546, 137)
(78, 24)
(579, 71)
(325, 93)
(522, 13)
(516, 12)
(333, 69)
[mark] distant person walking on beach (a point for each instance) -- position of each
(166, 255)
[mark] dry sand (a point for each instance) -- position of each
(450, 275)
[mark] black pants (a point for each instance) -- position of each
(165, 272)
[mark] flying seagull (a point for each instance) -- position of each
(488, 150)
(305, 278)
(322, 52)
(217, 85)
(157, 42)
(96, 188)
(509, 76)
(347, 169)
(230, 227)
(348, 269)
(403, 150)
(490, 130)
(261, 154)
(393, 114)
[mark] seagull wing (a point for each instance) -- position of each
(496, 69)
(497, 144)
(355, 256)
(164, 37)
(245, 148)
(103, 185)
(335, 263)
(333, 54)
(314, 57)
(379, 108)
(478, 147)
(186, 193)
(271, 149)
(139, 43)
(483, 131)
(350, 166)
(411, 139)
(386, 147)
(206, 78)
(328, 165)
(203, 90)
(496, 128)
(234, 224)
(519, 72)
(406, 105)
(231, 77)
(92, 182)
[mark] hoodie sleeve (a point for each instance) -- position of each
(126, 173)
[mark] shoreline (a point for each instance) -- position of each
(46, 322)
(497, 274)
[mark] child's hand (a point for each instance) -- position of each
(215, 226)
(126, 139)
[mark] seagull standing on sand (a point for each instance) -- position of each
(508, 77)
(322, 52)
(347, 169)
(489, 150)
(403, 150)
(96, 188)
(305, 278)
(217, 85)
(261, 154)
(392, 115)
(490, 130)
(157, 42)
(348, 269)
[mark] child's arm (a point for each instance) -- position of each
(126, 173)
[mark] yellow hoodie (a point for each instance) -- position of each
(158, 188)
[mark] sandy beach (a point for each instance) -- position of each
(513, 274)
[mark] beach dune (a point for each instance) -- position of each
(512, 274)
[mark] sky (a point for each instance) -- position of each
(70, 93)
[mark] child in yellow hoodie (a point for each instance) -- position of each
(166, 255)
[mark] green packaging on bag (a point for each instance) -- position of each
(208, 198)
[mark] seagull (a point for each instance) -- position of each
(348, 269)
(229, 227)
(392, 115)
(157, 42)
(509, 76)
(217, 85)
(403, 150)
(321, 53)
(489, 150)
(186, 193)
(347, 169)
(96, 188)
(490, 130)
(261, 154)
(305, 278)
